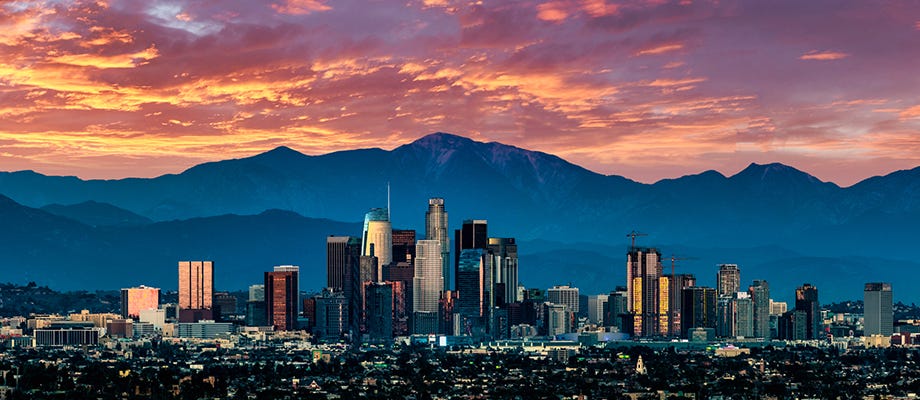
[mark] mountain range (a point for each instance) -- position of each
(776, 222)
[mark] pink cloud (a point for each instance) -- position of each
(823, 55)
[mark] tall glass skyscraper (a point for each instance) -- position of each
(474, 234)
(196, 290)
(505, 267)
(282, 293)
(427, 285)
(760, 296)
(878, 313)
(436, 229)
(377, 239)
(428, 281)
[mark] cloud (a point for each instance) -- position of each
(665, 48)
(823, 55)
(300, 7)
(706, 85)
(115, 61)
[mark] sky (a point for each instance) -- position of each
(643, 89)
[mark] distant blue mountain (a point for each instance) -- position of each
(62, 253)
(93, 213)
(534, 196)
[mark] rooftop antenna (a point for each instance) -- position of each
(388, 200)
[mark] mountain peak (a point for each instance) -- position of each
(762, 175)
(441, 140)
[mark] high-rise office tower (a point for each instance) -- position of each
(133, 300)
(760, 297)
(878, 312)
(331, 315)
(676, 285)
(565, 295)
(281, 298)
(403, 245)
(742, 315)
(292, 268)
(806, 300)
(369, 268)
(644, 284)
(472, 235)
(470, 283)
(342, 254)
(596, 304)
(380, 311)
(728, 279)
(436, 229)
(196, 290)
(255, 307)
(377, 239)
(428, 282)
(699, 308)
(505, 267)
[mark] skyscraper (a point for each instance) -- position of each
(380, 311)
(878, 313)
(281, 298)
(565, 295)
(133, 300)
(377, 239)
(806, 301)
(643, 273)
(676, 285)
(728, 279)
(760, 297)
(742, 315)
(472, 235)
(342, 254)
(505, 267)
(255, 307)
(699, 308)
(428, 285)
(596, 304)
(470, 283)
(436, 229)
(196, 290)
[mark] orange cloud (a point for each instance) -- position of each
(553, 11)
(660, 49)
(300, 7)
(823, 55)
(117, 61)
(599, 8)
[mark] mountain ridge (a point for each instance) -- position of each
(524, 194)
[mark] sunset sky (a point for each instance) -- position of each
(647, 90)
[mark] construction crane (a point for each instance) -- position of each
(633, 235)
(675, 259)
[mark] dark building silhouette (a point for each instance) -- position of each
(380, 311)
(806, 299)
(472, 235)
(403, 245)
(698, 308)
(342, 254)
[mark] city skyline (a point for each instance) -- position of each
(118, 88)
